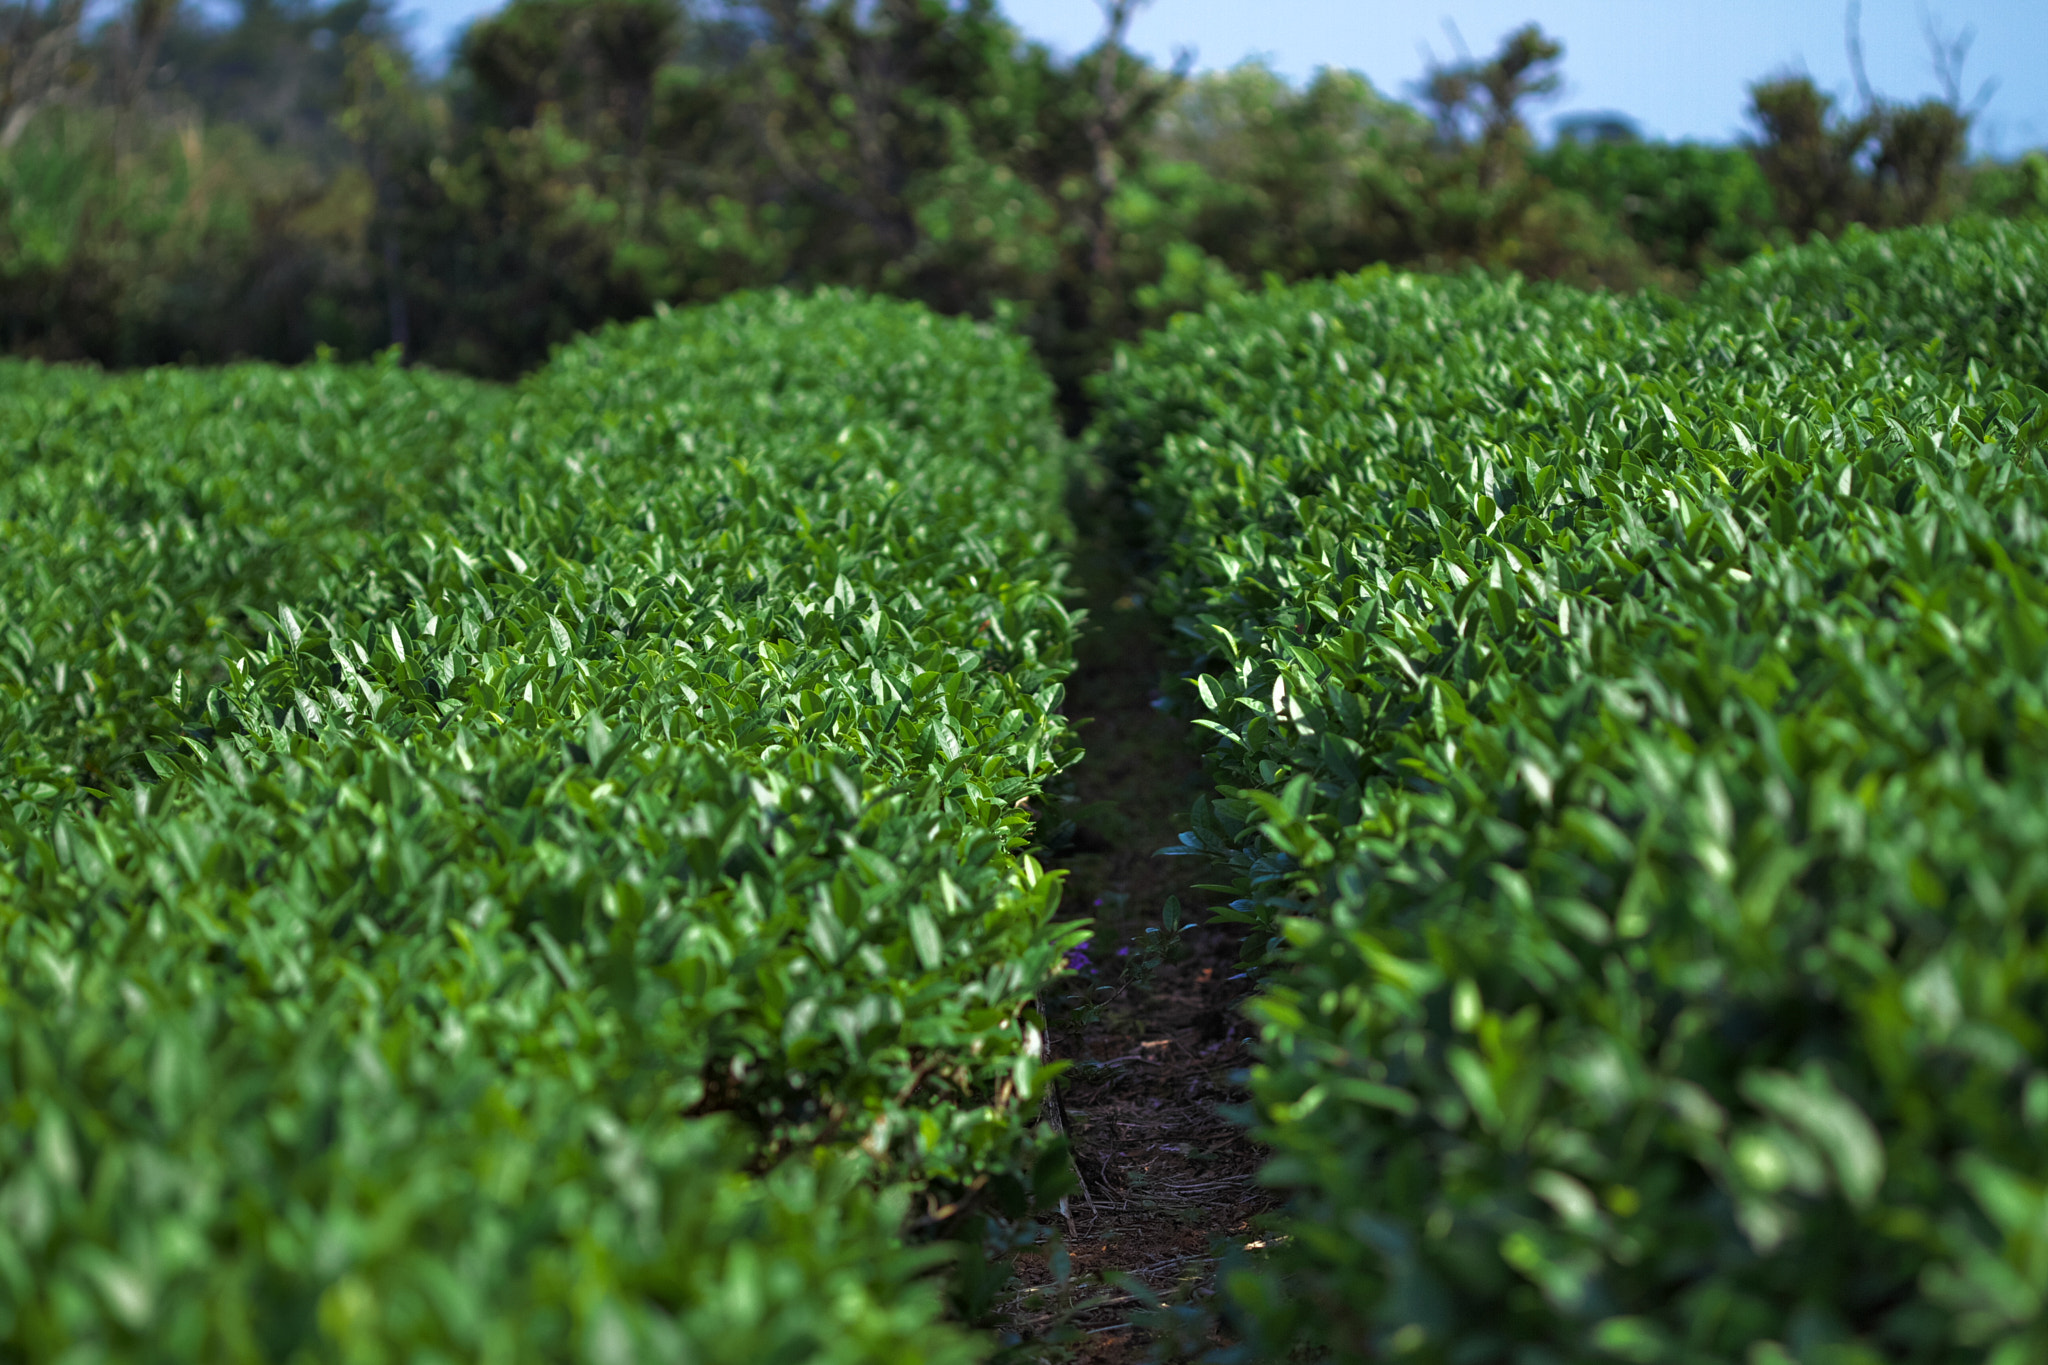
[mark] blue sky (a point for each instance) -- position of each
(1679, 67)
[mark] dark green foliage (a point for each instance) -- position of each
(276, 67)
(530, 876)
(1889, 164)
(2009, 189)
(194, 195)
(1262, 177)
(1252, 177)
(187, 242)
(1485, 102)
(1691, 206)
(594, 62)
(1809, 154)
(1631, 735)
(283, 176)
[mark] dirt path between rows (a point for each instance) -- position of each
(1170, 1181)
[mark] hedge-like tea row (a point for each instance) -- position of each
(575, 901)
(1974, 291)
(143, 515)
(1633, 732)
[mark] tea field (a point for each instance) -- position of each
(552, 872)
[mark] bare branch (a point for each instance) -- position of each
(1853, 24)
(1949, 56)
(36, 68)
(1116, 16)
(1113, 107)
(1458, 41)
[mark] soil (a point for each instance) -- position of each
(1170, 1180)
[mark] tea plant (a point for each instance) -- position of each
(1970, 292)
(527, 876)
(1631, 729)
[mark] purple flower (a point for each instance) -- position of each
(1077, 956)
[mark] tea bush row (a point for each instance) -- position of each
(1631, 725)
(1973, 292)
(531, 875)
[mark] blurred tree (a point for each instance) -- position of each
(1890, 164)
(187, 182)
(174, 241)
(1486, 102)
(855, 104)
(1809, 154)
(393, 128)
(1263, 177)
(1691, 207)
(2013, 189)
(40, 61)
(592, 61)
(133, 43)
(187, 194)
(279, 68)
(1920, 149)
(603, 155)
(574, 172)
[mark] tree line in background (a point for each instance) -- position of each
(181, 184)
